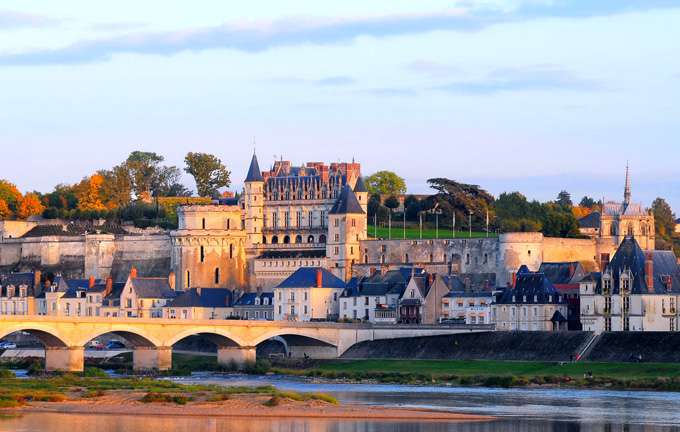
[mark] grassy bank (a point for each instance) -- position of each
(657, 376)
(15, 392)
(413, 233)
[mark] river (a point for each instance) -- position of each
(516, 409)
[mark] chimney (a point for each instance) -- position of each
(37, 275)
(514, 280)
(649, 272)
(109, 287)
(171, 280)
(319, 278)
(430, 279)
(90, 282)
(604, 262)
(372, 271)
(467, 284)
(133, 272)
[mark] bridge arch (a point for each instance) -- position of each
(220, 337)
(46, 335)
(136, 336)
(301, 334)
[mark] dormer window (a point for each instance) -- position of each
(535, 299)
(524, 299)
(549, 299)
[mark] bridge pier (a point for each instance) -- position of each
(228, 356)
(152, 358)
(65, 359)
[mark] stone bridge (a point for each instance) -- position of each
(151, 339)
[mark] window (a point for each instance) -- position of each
(231, 251)
(203, 223)
(305, 295)
(354, 223)
(366, 301)
(305, 309)
(217, 275)
(188, 279)
(202, 254)
(336, 222)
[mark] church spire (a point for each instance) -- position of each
(626, 192)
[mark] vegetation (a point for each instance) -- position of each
(664, 220)
(385, 183)
(208, 172)
(413, 232)
(554, 219)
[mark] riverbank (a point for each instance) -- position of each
(150, 397)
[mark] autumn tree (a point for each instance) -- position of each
(88, 192)
(10, 194)
(208, 172)
(29, 205)
(385, 183)
(5, 212)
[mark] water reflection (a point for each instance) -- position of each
(50, 422)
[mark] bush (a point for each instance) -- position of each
(152, 397)
(6, 373)
(274, 401)
(94, 372)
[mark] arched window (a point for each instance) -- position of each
(298, 238)
(310, 239)
(365, 259)
(643, 229)
(286, 239)
(275, 239)
(631, 230)
(612, 229)
(322, 238)
(405, 258)
(264, 239)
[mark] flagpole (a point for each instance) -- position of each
(453, 224)
(420, 215)
(470, 223)
(389, 226)
(487, 223)
(404, 224)
(375, 225)
(436, 218)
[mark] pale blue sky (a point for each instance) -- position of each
(530, 95)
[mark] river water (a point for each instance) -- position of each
(516, 409)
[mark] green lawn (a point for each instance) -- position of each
(624, 371)
(413, 233)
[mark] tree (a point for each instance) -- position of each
(587, 202)
(5, 212)
(62, 197)
(664, 219)
(10, 194)
(564, 199)
(516, 214)
(88, 192)
(459, 199)
(144, 173)
(385, 183)
(391, 202)
(208, 172)
(559, 221)
(167, 183)
(116, 187)
(29, 205)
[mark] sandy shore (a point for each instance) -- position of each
(239, 406)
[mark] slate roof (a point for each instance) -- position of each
(558, 317)
(563, 273)
(17, 279)
(392, 282)
(248, 299)
(152, 288)
(347, 203)
(590, 221)
(360, 186)
(113, 299)
(534, 286)
(208, 298)
(305, 277)
(307, 253)
(254, 173)
(469, 294)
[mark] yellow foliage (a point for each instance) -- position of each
(581, 212)
(87, 192)
(29, 205)
(5, 211)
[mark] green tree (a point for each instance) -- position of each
(385, 183)
(62, 197)
(587, 202)
(564, 199)
(664, 219)
(116, 189)
(208, 171)
(145, 170)
(559, 221)
(391, 202)
(459, 199)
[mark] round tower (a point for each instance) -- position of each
(253, 203)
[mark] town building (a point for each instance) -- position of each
(309, 294)
(200, 304)
(144, 297)
(566, 277)
(637, 291)
(531, 303)
(254, 306)
(469, 298)
(19, 293)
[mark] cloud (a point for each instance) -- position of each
(535, 78)
(336, 81)
(389, 92)
(260, 36)
(327, 81)
(13, 20)
(432, 69)
(117, 26)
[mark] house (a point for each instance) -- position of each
(77, 297)
(309, 294)
(254, 306)
(566, 277)
(375, 298)
(637, 291)
(466, 302)
(144, 297)
(200, 304)
(531, 303)
(19, 291)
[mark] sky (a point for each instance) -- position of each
(529, 95)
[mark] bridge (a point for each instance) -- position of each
(151, 339)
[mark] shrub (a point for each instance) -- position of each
(94, 372)
(274, 401)
(6, 373)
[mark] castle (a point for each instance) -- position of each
(313, 215)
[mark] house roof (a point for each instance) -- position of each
(347, 203)
(391, 282)
(590, 221)
(562, 273)
(248, 299)
(205, 297)
(152, 288)
(305, 277)
(558, 317)
(254, 173)
(530, 288)
(360, 186)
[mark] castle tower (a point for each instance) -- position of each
(253, 201)
(626, 190)
(346, 227)
(361, 193)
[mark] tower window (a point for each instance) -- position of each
(202, 254)
(217, 275)
(203, 223)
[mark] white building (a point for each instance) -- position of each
(638, 291)
(470, 307)
(309, 294)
